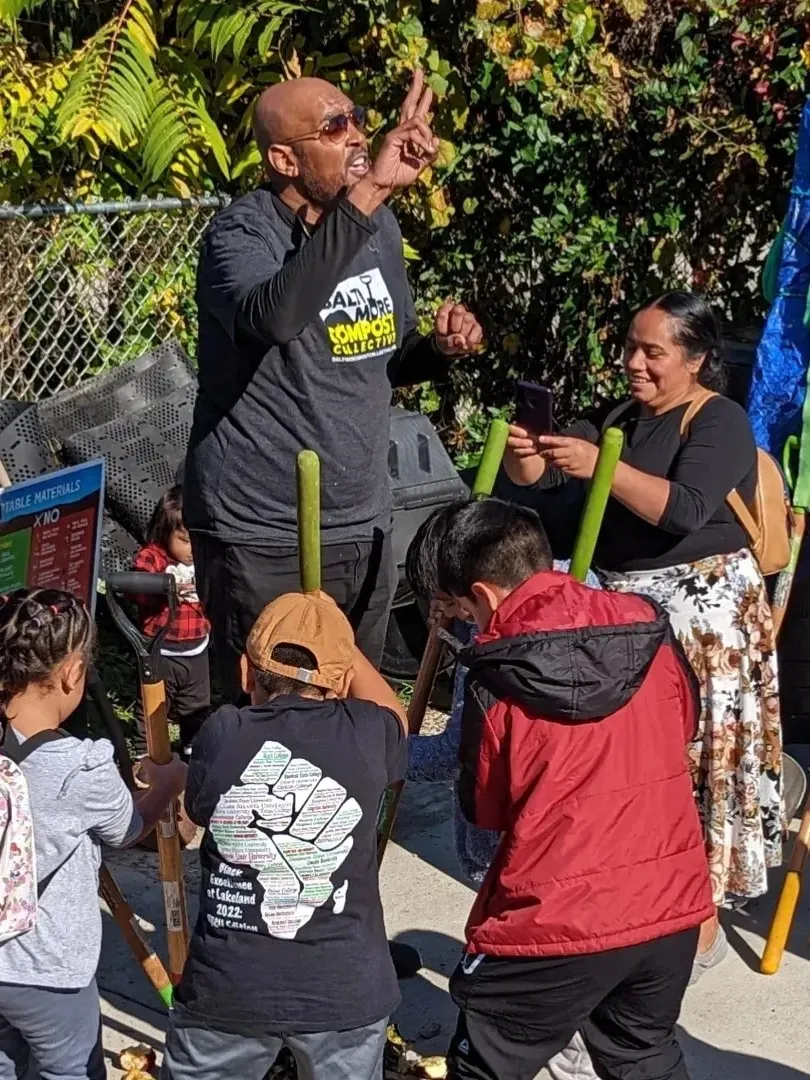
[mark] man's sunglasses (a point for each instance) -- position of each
(336, 128)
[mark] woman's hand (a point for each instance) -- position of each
(574, 457)
(521, 443)
(522, 460)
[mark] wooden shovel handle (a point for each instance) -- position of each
(168, 838)
(125, 918)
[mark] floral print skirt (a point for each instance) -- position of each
(720, 612)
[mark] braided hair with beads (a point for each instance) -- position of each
(39, 630)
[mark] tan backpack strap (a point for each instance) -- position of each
(695, 405)
(744, 516)
(733, 499)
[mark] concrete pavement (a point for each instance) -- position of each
(735, 1025)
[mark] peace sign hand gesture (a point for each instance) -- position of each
(411, 147)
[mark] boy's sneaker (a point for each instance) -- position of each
(714, 955)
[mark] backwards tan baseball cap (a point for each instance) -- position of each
(312, 621)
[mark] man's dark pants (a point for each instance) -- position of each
(235, 582)
(517, 1013)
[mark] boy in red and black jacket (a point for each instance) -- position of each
(185, 646)
(579, 706)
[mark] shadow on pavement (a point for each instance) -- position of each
(711, 1063)
(427, 1016)
(424, 827)
(756, 918)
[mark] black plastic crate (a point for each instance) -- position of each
(10, 410)
(118, 548)
(24, 450)
(142, 454)
(421, 474)
(116, 394)
(740, 355)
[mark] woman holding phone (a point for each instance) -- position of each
(669, 533)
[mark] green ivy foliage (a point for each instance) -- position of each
(592, 154)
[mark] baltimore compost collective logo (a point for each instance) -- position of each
(359, 318)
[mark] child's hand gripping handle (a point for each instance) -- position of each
(610, 450)
(308, 480)
(485, 477)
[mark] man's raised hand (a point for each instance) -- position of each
(405, 153)
(418, 100)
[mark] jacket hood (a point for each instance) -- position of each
(565, 651)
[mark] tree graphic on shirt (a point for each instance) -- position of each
(292, 824)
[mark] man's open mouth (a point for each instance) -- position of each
(359, 166)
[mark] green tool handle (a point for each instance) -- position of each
(791, 449)
(491, 458)
(770, 269)
(610, 450)
(308, 479)
(801, 481)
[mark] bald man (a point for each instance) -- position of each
(306, 321)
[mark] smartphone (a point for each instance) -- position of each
(535, 408)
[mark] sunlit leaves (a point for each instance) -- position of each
(590, 153)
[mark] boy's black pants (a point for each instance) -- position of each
(517, 1013)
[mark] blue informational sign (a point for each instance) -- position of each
(50, 531)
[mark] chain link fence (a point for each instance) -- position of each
(84, 287)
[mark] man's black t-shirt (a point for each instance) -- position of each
(290, 935)
(302, 333)
(715, 456)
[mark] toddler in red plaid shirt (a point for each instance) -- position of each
(185, 647)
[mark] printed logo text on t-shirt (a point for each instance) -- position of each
(290, 827)
(359, 318)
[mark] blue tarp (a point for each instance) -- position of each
(779, 381)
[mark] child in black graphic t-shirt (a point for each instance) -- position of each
(290, 947)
